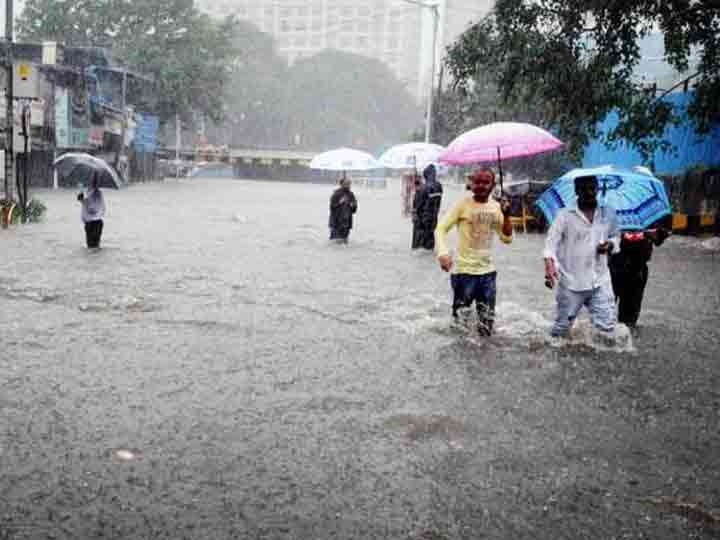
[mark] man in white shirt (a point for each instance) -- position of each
(576, 259)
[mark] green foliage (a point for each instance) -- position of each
(466, 107)
(187, 53)
(330, 99)
(573, 61)
(35, 212)
(344, 99)
(255, 97)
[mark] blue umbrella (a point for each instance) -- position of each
(639, 198)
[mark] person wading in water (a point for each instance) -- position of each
(478, 219)
(343, 206)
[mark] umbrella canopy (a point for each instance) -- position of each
(499, 140)
(79, 168)
(344, 159)
(639, 198)
(411, 156)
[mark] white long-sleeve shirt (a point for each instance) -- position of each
(572, 243)
(93, 206)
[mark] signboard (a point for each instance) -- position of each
(49, 52)
(79, 137)
(146, 133)
(24, 71)
(26, 81)
(130, 126)
(37, 113)
(113, 126)
(62, 118)
(95, 135)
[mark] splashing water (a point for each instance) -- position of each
(583, 334)
(515, 322)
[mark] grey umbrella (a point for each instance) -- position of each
(79, 168)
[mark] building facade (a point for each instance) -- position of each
(396, 32)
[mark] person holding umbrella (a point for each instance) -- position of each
(477, 219)
(631, 201)
(576, 259)
(92, 212)
(82, 169)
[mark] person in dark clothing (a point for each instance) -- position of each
(419, 200)
(629, 271)
(342, 207)
(431, 207)
(426, 207)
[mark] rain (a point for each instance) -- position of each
(241, 240)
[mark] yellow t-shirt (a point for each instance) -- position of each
(475, 222)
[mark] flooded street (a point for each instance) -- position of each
(220, 370)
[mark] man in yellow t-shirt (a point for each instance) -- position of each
(476, 219)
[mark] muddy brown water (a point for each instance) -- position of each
(219, 370)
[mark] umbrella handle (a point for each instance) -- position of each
(502, 189)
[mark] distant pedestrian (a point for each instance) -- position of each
(418, 203)
(629, 271)
(343, 206)
(92, 213)
(477, 218)
(576, 259)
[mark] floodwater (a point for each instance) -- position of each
(220, 370)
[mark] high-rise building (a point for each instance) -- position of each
(389, 30)
(397, 32)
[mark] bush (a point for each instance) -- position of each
(35, 212)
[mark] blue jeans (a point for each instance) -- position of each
(468, 288)
(600, 302)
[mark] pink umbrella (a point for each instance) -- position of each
(498, 141)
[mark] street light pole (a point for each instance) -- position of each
(436, 21)
(431, 95)
(9, 112)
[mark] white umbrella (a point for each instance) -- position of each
(345, 159)
(411, 156)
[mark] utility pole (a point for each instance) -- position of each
(9, 112)
(119, 156)
(436, 22)
(178, 135)
(431, 95)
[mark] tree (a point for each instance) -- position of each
(461, 109)
(337, 98)
(187, 53)
(255, 96)
(327, 100)
(574, 61)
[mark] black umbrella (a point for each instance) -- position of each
(79, 168)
